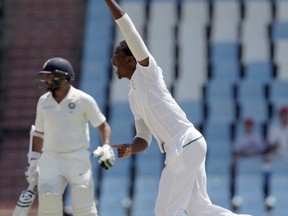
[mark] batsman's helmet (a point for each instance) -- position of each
(59, 67)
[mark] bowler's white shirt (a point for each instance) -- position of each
(65, 124)
(150, 100)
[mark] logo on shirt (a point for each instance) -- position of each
(71, 105)
(48, 107)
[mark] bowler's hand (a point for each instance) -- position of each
(124, 150)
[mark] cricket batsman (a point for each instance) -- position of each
(59, 153)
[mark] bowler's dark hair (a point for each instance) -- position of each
(125, 48)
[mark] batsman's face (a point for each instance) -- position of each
(48, 78)
(52, 82)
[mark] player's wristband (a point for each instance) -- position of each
(34, 155)
(105, 144)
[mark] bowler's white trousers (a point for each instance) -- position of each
(183, 186)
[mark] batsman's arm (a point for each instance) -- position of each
(105, 152)
(37, 144)
(105, 132)
(130, 33)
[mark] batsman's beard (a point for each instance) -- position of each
(53, 87)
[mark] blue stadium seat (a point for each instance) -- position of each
(258, 12)
(217, 165)
(228, 71)
(278, 91)
(222, 110)
(217, 185)
(261, 71)
(251, 100)
(281, 8)
(149, 165)
(219, 149)
(159, 25)
(114, 194)
(194, 110)
(249, 187)
(256, 108)
(280, 30)
(96, 52)
(121, 122)
(250, 165)
(254, 35)
(219, 90)
(115, 186)
(122, 132)
(145, 195)
(192, 61)
(248, 90)
(280, 58)
(224, 51)
(217, 131)
(223, 29)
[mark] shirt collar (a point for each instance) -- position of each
(70, 94)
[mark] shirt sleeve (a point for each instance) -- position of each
(93, 112)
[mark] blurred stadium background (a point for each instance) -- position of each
(223, 60)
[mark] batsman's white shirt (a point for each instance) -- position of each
(65, 124)
(150, 100)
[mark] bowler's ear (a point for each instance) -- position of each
(131, 60)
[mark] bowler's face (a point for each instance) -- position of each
(120, 61)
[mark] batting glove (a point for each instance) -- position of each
(32, 171)
(106, 156)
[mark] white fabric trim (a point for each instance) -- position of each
(33, 157)
(37, 134)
